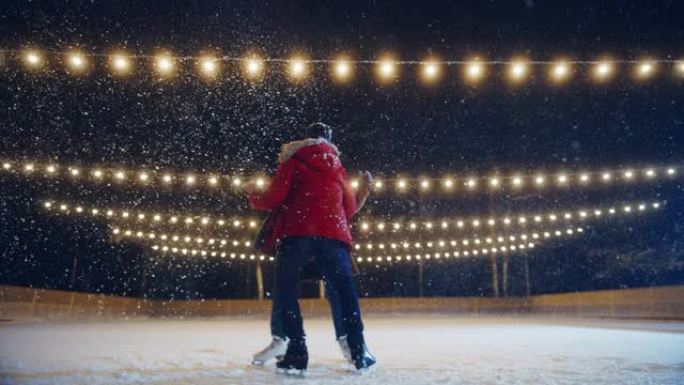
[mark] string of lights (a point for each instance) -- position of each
(448, 254)
(452, 254)
(366, 226)
(445, 185)
(166, 65)
(386, 244)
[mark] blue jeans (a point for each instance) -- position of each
(335, 311)
(332, 261)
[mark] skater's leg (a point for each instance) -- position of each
(335, 310)
(276, 348)
(276, 323)
(292, 255)
(333, 262)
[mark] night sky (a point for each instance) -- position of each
(406, 128)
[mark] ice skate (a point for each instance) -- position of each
(344, 347)
(276, 349)
(296, 359)
(362, 359)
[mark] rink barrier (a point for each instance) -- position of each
(21, 303)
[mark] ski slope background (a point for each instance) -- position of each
(411, 350)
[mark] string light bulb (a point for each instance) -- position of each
(645, 69)
(297, 68)
(603, 70)
(430, 71)
(342, 69)
(76, 62)
(120, 63)
(474, 71)
(33, 59)
(387, 69)
(560, 71)
(253, 66)
(518, 71)
(164, 64)
(209, 66)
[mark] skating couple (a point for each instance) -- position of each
(310, 204)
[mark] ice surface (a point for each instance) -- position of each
(411, 350)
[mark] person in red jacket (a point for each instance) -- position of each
(313, 202)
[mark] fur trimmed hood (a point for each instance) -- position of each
(288, 150)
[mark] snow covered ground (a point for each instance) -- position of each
(411, 349)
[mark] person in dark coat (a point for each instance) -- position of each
(314, 202)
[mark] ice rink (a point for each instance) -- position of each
(411, 350)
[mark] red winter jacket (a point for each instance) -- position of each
(311, 193)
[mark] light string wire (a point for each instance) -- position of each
(305, 59)
(146, 178)
(146, 236)
(365, 225)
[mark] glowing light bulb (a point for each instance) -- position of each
(518, 71)
(560, 71)
(425, 184)
(237, 181)
(386, 69)
(378, 184)
(562, 179)
(679, 68)
(629, 174)
(120, 175)
(474, 71)
(671, 171)
(494, 182)
(190, 180)
(51, 169)
(164, 64)
(209, 66)
(213, 181)
(603, 70)
(342, 69)
(120, 63)
(143, 177)
(539, 180)
(471, 183)
(297, 68)
(33, 59)
(448, 183)
(354, 184)
(517, 181)
(253, 67)
(430, 70)
(645, 69)
(650, 173)
(401, 184)
(76, 61)
(74, 172)
(167, 178)
(584, 178)
(606, 176)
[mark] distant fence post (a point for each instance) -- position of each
(260, 281)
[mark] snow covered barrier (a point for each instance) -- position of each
(17, 303)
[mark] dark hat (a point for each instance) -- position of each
(318, 130)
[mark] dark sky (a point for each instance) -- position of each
(409, 128)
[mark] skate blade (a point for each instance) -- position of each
(292, 372)
(364, 371)
(258, 363)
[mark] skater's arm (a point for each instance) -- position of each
(364, 190)
(348, 197)
(277, 191)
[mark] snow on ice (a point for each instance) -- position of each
(411, 350)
